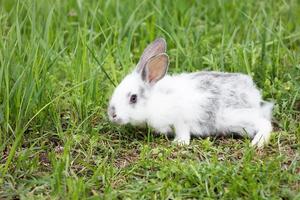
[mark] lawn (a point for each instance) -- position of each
(59, 61)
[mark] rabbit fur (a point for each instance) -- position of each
(200, 104)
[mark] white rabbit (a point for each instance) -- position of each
(200, 104)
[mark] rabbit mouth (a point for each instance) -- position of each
(117, 120)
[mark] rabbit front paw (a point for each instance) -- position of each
(181, 141)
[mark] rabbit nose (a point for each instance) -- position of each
(112, 112)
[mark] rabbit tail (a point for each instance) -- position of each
(266, 109)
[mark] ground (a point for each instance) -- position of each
(58, 63)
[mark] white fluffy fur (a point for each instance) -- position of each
(175, 103)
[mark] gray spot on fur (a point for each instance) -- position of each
(111, 110)
(213, 75)
(220, 84)
(235, 100)
(263, 103)
(142, 93)
(207, 123)
(207, 84)
(222, 90)
(169, 91)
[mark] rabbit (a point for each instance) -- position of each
(204, 103)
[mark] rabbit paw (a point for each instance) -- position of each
(181, 141)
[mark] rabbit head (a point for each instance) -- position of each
(129, 100)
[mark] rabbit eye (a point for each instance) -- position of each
(133, 98)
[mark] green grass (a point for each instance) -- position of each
(56, 141)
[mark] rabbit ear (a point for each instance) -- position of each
(155, 68)
(158, 46)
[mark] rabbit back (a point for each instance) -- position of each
(231, 90)
(200, 101)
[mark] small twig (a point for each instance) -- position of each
(101, 66)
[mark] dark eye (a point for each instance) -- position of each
(133, 98)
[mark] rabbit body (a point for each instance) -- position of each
(201, 104)
(206, 103)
